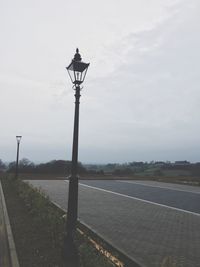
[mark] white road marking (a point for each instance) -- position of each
(162, 187)
(139, 199)
(175, 189)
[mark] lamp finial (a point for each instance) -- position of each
(77, 56)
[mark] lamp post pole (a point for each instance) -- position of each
(18, 137)
(77, 71)
(71, 251)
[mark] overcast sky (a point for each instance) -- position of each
(141, 97)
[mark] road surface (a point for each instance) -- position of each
(148, 221)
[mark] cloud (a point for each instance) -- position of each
(141, 95)
(151, 98)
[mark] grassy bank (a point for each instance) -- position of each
(38, 229)
(167, 177)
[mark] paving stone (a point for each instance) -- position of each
(149, 233)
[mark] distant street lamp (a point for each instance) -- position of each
(77, 70)
(18, 137)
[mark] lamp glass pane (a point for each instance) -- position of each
(84, 73)
(78, 76)
(18, 137)
(71, 75)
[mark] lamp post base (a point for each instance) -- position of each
(70, 252)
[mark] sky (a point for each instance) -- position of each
(140, 98)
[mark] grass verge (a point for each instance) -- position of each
(38, 228)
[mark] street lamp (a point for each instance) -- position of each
(18, 137)
(77, 70)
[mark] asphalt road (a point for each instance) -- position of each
(148, 221)
(184, 198)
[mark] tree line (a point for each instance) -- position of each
(62, 167)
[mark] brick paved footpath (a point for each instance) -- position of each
(4, 247)
(149, 233)
(8, 254)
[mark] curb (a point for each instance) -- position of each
(11, 243)
(129, 261)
